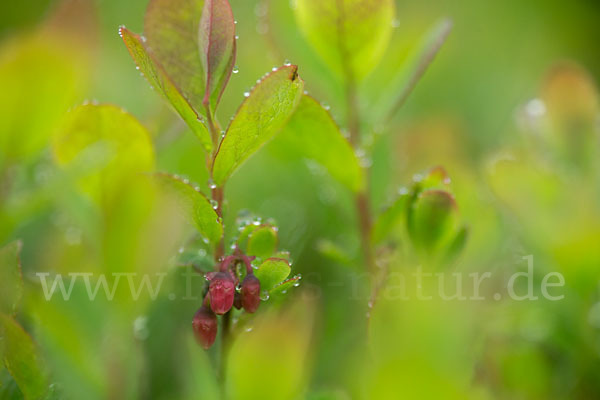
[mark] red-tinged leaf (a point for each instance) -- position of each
(171, 27)
(260, 117)
(216, 38)
(159, 79)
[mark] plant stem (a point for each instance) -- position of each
(362, 198)
(217, 195)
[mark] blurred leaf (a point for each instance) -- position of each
(398, 90)
(11, 278)
(9, 390)
(334, 251)
(314, 134)
(272, 272)
(127, 141)
(196, 206)
(261, 116)
(158, 78)
(171, 27)
(277, 349)
(350, 35)
(393, 216)
(262, 242)
(40, 77)
(22, 360)
(433, 220)
(217, 47)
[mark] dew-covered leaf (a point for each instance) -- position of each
(272, 272)
(11, 278)
(314, 134)
(171, 28)
(158, 79)
(350, 35)
(262, 242)
(21, 359)
(261, 116)
(283, 287)
(127, 145)
(195, 206)
(217, 48)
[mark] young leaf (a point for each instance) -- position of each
(158, 78)
(11, 278)
(263, 114)
(217, 48)
(314, 133)
(127, 142)
(21, 359)
(262, 242)
(393, 216)
(272, 272)
(433, 220)
(350, 35)
(171, 27)
(195, 206)
(283, 287)
(403, 84)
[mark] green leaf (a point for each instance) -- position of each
(412, 70)
(171, 28)
(433, 220)
(21, 359)
(11, 278)
(195, 205)
(126, 141)
(350, 35)
(388, 220)
(272, 272)
(262, 242)
(261, 116)
(284, 286)
(314, 133)
(158, 78)
(41, 77)
(217, 48)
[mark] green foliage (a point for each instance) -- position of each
(158, 78)
(195, 206)
(21, 359)
(171, 28)
(263, 114)
(350, 35)
(125, 142)
(313, 133)
(262, 242)
(11, 278)
(272, 272)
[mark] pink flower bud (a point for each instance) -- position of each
(205, 327)
(250, 293)
(221, 291)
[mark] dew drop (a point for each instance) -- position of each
(287, 63)
(246, 94)
(235, 70)
(264, 296)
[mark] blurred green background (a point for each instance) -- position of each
(521, 190)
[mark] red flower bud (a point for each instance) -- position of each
(250, 293)
(205, 327)
(221, 291)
